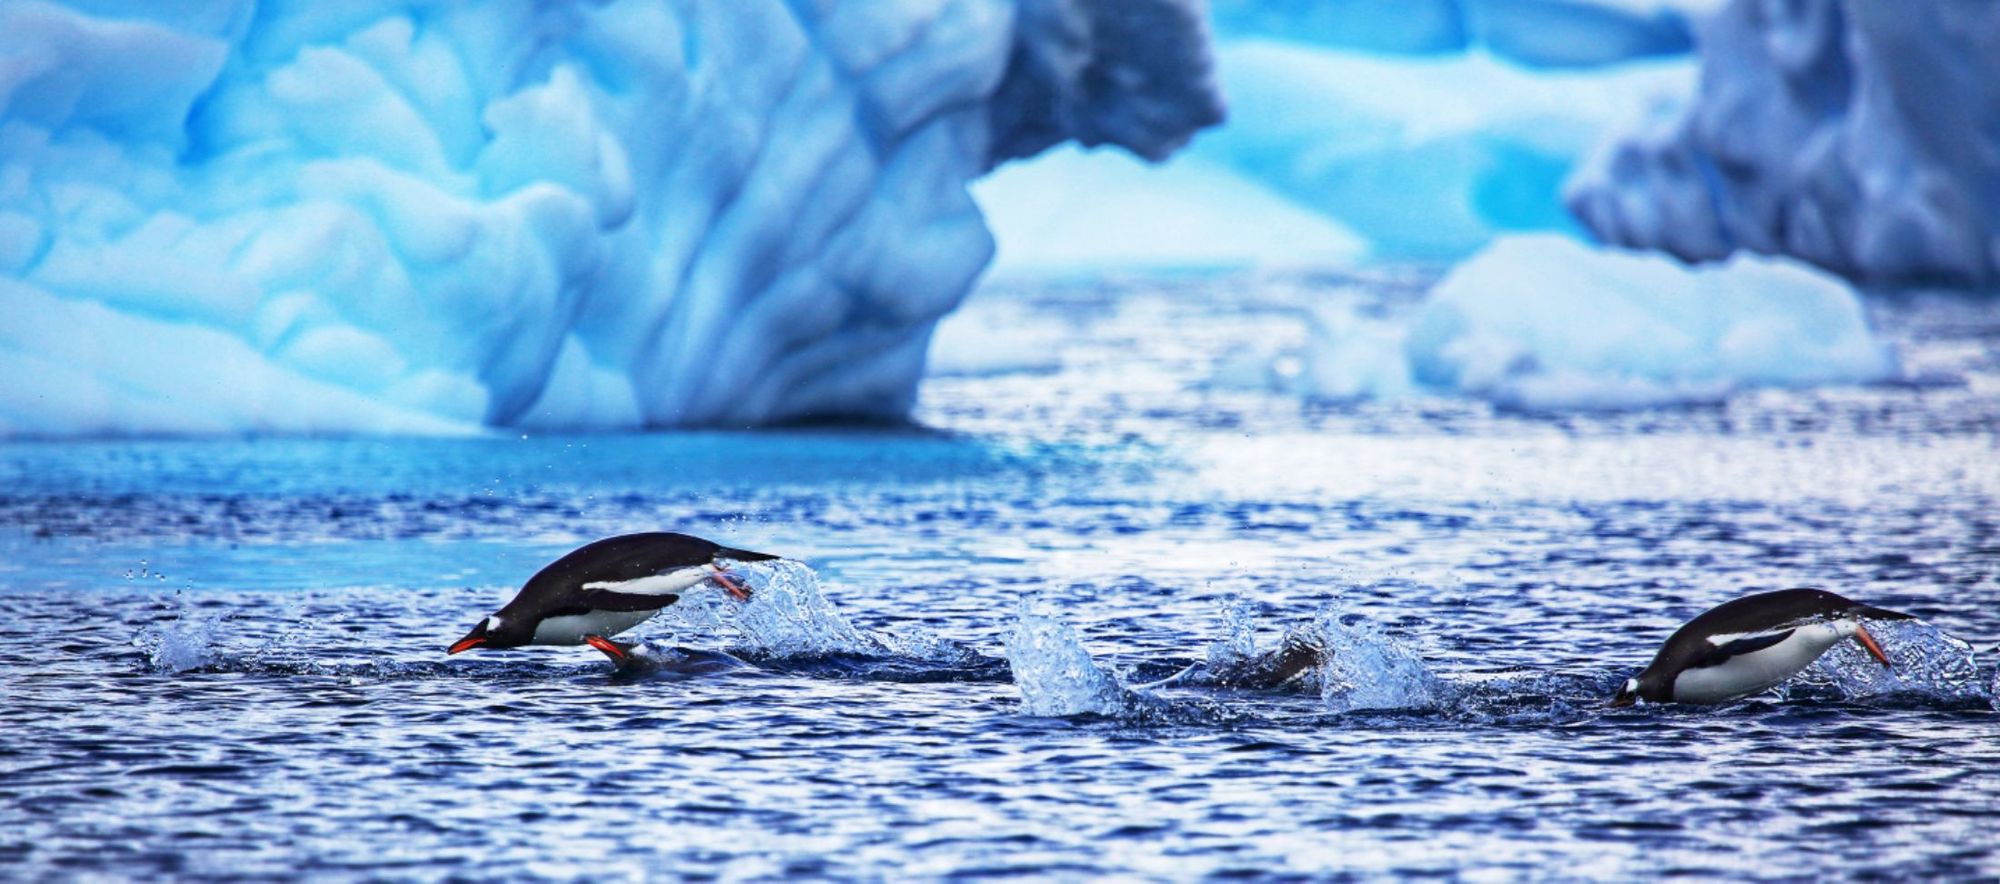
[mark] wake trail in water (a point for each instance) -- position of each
(1366, 671)
(790, 626)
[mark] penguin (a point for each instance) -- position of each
(1741, 647)
(605, 588)
(644, 659)
(1271, 670)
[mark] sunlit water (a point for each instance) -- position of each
(227, 658)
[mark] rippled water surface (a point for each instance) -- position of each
(227, 658)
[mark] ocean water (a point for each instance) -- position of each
(226, 658)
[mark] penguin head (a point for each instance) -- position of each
(1628, 694)
(492, 632)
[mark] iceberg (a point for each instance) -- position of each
(412, 217)
(1863, 137)
(1543, 322)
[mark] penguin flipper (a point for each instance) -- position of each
(1747, 645)
(607, 600)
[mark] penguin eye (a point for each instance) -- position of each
(1631, 685)
(492, 623)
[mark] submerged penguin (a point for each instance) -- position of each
(1741, 647)
(1298, 655)
(645, 659)
(605, 588)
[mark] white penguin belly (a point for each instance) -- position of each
(571, 628)
(1746, 674)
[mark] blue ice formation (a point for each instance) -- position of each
(1402, 129)
(1543, 321)
(1861, 136)
(1539, 33)
(392, 215)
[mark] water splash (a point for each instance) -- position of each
(1366, 668)
(918, 643)
(1238, 643)
(1929, 666)
(1055, 674)
(183, 643)
(787, 614)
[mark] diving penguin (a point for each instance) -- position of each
(1744, 646)
(606, 587)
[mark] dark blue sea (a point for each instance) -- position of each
(225, 658)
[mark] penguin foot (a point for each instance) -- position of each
(1868, 641)
(609, 647)
(729, 582)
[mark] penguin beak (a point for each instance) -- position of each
(1868, 641)
(1621, 701)
(465, 644)
(610, 648)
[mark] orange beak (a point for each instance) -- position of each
(465, 644)
(616, 653)
(1868, 641)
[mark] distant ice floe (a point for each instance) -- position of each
(1858, 135)
(1542, 33)
(1415, 130)
(1545, 322)
(408, 217)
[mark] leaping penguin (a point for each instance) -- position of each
(605, 588)
(1741, 647)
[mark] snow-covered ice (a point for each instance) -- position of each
(431, 217)
(1861, 136)
(1545, 322)
(1072, 212)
